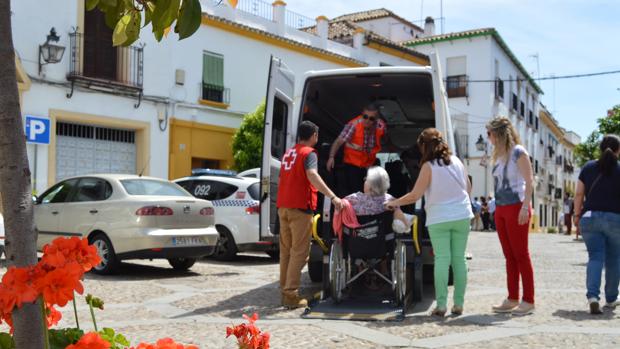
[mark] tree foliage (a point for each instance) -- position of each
(588, 150)
(128, 17)
(248, 140)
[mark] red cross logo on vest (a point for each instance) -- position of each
(289, 159)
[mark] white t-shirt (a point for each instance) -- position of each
(447, 199)
(509, 183)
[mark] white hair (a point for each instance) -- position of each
(378, 180)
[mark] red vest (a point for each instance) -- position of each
(354, 153)
(294, 189)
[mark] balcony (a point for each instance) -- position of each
(456, 86)
(117, 70)
(499, 89)
(215, 96)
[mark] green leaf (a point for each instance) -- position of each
(120, 30)
(61, 338)
(6, 341)
(112, 14)
(133, 28)
(120, 339)
(159, 34)
(189, 19)
(109, 3)
(166, 11)
(91, 4)
(148, 13)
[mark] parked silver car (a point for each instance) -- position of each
(128, 217)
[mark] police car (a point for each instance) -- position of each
(236, 203)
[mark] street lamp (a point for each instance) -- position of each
(482, 145)
(50, 53)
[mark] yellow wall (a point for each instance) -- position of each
(195, 140)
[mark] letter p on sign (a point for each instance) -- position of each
(37, 129)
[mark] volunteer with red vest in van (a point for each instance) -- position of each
(362, 141)
(299, 181)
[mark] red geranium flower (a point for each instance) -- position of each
(57, 286)
(164, 343)
(53, 316)
(91, 340)
(72, 249)
(17, 288)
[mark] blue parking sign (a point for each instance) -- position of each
(37, 129)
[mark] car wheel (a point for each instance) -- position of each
(181, 264)
(226, 249)
(275, 255)
(105, 250)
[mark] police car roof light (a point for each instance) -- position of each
(213, 172)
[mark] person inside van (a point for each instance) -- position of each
(361, 138)
(444, 182)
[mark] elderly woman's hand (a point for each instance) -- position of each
(390, 205)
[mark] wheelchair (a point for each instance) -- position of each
(362, 251)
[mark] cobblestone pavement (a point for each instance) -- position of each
(148, 300)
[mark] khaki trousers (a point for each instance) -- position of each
(295, 235)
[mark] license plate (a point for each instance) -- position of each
(187, 240)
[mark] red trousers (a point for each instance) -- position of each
(514, 240)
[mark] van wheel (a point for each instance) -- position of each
(181, 264)
(315, 270)
(105, 250)
(226, 249)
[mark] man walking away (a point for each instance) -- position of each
(476, 208)
(297, 198)
(569, 208)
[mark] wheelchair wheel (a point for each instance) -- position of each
(337, 271)
(399, 272)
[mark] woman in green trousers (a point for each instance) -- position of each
(444, 182)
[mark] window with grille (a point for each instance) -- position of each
(95, 132)
(213, 78)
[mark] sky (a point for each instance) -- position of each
(569, 36)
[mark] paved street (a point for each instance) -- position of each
(148, 300)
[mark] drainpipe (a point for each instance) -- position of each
(279, 16)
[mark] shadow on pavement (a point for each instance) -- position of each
(133, 272)
(583, 315)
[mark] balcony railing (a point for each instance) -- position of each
(213, 93)
(456, 86)
(92, 64)
(257, 8)
(499, 89)
(296, 20)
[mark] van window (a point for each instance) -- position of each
(212, 190)
(254, 191)
(278, 130)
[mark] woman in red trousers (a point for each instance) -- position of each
(512, 173)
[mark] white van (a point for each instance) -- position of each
(410, 99)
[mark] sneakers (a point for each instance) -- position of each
(595, 307)
(612, 305)
(524, 308)
(293, 302)
(507, 306)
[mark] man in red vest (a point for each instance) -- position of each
(362, 141)
(299, 181)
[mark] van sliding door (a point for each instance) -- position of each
(276, 139)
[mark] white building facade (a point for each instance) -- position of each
(162, 109)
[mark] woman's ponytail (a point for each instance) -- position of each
(609, 158)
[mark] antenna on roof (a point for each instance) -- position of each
(144, 167)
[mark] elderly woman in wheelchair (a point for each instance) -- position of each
(366, 247)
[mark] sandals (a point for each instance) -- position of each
(439, 312)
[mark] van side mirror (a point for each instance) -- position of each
(35, 199)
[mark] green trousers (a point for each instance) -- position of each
(449, 240)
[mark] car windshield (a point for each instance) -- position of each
(152, 187)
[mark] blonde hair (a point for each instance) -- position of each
(506, 136)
